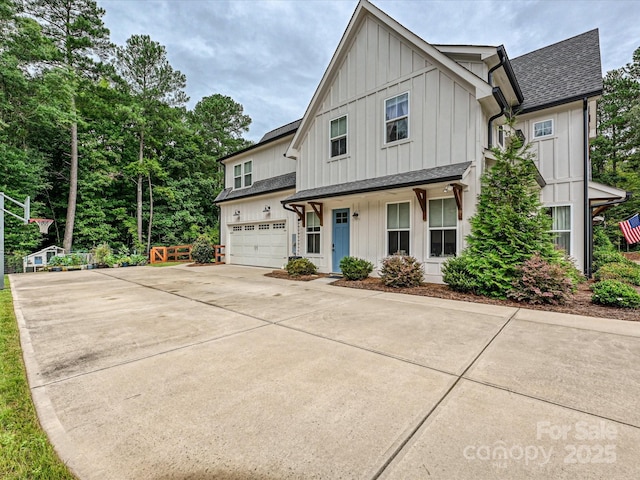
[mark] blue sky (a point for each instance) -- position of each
(269, 55)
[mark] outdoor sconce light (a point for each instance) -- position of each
(236, 213)
(448, 188)
(267, 209)
(355, 215)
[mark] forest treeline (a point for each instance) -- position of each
(99, 135)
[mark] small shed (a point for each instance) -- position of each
(38, 260)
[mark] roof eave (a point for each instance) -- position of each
(556, 103)
(257, 194)
(359, 191)
(257, 145)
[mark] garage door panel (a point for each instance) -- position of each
(261, 244)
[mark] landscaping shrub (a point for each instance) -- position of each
(202, 251)
(624, 272)
(300, 266)
(100, 253)
(538, 281)
(137, 259)
(355, 268)
(604, 251)
(401, 271)
(615, 293)
(456, 274)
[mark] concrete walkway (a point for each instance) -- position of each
(220, 372)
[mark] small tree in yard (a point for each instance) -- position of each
(202, 251)
(509, 226)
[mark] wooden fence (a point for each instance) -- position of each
(182, 253)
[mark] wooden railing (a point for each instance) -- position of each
(182, 253)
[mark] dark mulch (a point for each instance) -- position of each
(302, 278)
(580, 304)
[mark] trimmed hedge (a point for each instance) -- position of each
(624, 272)
(401, 271)
(354, 268)
(615, 294)
(300, 266)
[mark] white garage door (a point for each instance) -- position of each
(259, 244)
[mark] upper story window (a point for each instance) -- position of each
(242, 175)
(398, 228)
(397, 118)
(543, 129)
(443, 227)
(339, 136)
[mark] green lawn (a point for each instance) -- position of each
(166, 264)
(25, 452)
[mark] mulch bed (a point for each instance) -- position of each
(635, 256)
(580, 305)
(282, 274)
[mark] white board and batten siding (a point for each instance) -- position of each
(268, 161)
(443, 114)
(559, 157)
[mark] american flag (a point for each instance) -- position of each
(631, 229)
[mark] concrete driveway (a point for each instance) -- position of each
(220, 372)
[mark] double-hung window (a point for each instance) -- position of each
(543, 129)
(561, 226)
(443, 227)
(242, 175)
(313, 233)
(397, 118)
(339, 136)
(398, 228)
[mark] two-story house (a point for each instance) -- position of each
(389, 154)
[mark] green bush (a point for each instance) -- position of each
(602, 257)
(355, 268)
(457, 274)
(137, 259)
(615, 294)
(624, 272)
(604, 251)
(538, 281)
(401, 271)
(202, 251)
(300, 266)
(100, 253)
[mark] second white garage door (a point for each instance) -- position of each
(258, 244)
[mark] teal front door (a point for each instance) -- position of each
(340, 237)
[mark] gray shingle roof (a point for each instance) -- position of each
(418, 177)
(562, 72)
(260, 187)
(278, 132)
(288, 129)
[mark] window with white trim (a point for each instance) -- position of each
(543, 129)
(396, 114)
(242, 174)
(313, 233)
(501, 136)
(339, 136)
(561, 226)
(443, 227)
(398, 228)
